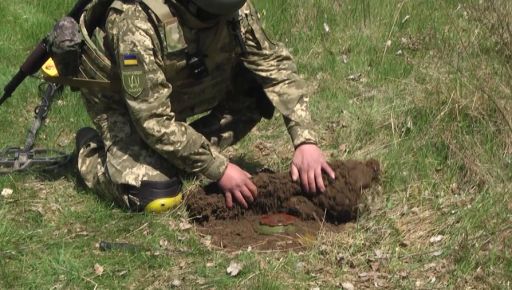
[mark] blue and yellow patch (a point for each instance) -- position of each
(132, 74)
(130, 59)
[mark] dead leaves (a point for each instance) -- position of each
(6, 192)
(436, 239)
(98, 269)
(234, 268)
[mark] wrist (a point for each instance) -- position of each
(216, 168)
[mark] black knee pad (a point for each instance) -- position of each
(156, 196)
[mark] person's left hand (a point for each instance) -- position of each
(307, 164)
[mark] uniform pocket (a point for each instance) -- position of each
(175, 65)
(174, 40)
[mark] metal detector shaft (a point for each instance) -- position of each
(41, 113)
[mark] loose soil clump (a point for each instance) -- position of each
(277, 193)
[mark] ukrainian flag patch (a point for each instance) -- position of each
(130, 59)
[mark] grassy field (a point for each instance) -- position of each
(423, 86)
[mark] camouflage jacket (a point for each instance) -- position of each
(160, 92)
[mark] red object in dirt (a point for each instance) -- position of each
(278, 219)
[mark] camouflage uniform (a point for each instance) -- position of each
(144, 129)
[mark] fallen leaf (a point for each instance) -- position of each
(403, 274)
(207, 241)
(164, 243)
(183, 264)
(6, 192)
(210, 264)
(98, 269)
(418, 283)
(454, 188)
(342, 148)
(347, 286)
(437, 253)
(201, 281)
(176, 283)
(234, 268)
(184, 225)
(355, 77)
(436, 239)
(381, 255)
(173, 225)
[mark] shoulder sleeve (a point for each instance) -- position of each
(275, 69)
(138, 60)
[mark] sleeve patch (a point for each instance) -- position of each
(132, 73)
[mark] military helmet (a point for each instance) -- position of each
(220, 7)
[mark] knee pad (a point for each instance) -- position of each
(157, 196)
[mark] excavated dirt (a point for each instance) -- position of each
(236, 228)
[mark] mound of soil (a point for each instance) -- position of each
(238, 228)
(278, 193)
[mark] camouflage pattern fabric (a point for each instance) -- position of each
(64, 45)
(145, 129)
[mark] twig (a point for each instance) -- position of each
(136, 230)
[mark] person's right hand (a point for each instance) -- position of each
(236, 183)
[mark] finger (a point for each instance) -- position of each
(247, 194)
(229, 199)
(328, 170)
(240, 199)
(252, 188)
(304, 181)
(311, 181)
(319, 180)
(294, 172)
(247, 174)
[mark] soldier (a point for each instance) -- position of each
(172, 61)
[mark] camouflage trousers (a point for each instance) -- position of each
(122, 158)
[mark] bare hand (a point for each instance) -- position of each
(308, 164)
(237, 183)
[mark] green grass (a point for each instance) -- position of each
(430, 106)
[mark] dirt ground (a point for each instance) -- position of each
(237, 228)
